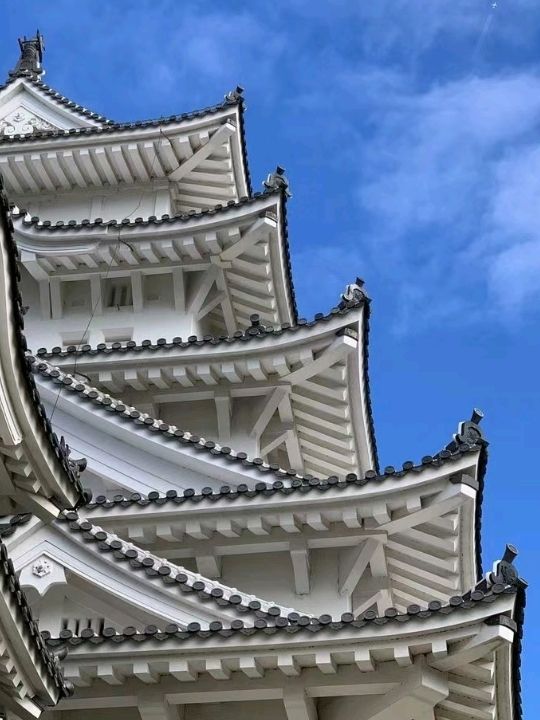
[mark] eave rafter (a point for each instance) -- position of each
(302, 384)
(391, 557)
(200, 160)
(445, 663)
(231, 263)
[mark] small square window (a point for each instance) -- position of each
(117, 293)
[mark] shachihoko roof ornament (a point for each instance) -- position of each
(354, 293)
(277, 180)
(469, 432)
(31, 56)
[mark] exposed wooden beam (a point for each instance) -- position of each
(300, 562)
(467, 651)
(218, 138)
(223, 412)
(338, 349)
(420, 690)
(446, 501)
(298, 706)
(358, 561)
(202, 287)
(156, 707)
(249, 237)
(268, 409)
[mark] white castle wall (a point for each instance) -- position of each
(107, 203)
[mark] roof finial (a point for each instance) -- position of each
(504, 571)
(31, 56)
(354, 293)
(278, 181)
(469, 433)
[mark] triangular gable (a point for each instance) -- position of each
(28, 106)
(75, 566)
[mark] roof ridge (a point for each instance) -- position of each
(296, 622)
(170, 572)
(56, 96)
(166, 218)
(111, 126)
(106, 402)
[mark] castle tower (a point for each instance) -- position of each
(243, 553)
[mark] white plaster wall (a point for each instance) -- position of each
(341, 708)
(107, 203)
(250, 710)
(270, 576)
(200, 418)
(109, 325)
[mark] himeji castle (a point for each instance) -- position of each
(194, 521)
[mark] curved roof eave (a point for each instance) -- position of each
(167, 571)
(14, 347)
(474, 599)
(105, 403)
(111, 127)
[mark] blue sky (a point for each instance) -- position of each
(410, 130)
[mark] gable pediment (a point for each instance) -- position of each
(25, 108)
(21, 121)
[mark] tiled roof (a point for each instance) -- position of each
(257, 331)
(110, 126)
(483, 593)
(303, 485)
(171, 574)
(10, 587)
(105, 403)
(70, 225)
(57, 97)
(69, 468)
(295, 622)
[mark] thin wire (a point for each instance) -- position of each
(119, 240)
(484, 31)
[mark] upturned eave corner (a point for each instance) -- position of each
(37, 465)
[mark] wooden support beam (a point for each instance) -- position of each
(269, 407)
(338, 349)
(156, 707)
(209, 304)
(226, 303)
(447, 500)
(222, 400)
(272, 444)
(299, 553)
(202, 287)
(420, 690)
(249, 237)
(298, 705)
(489, 638)
(209, 565)
(218, 138)
(355, 565)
